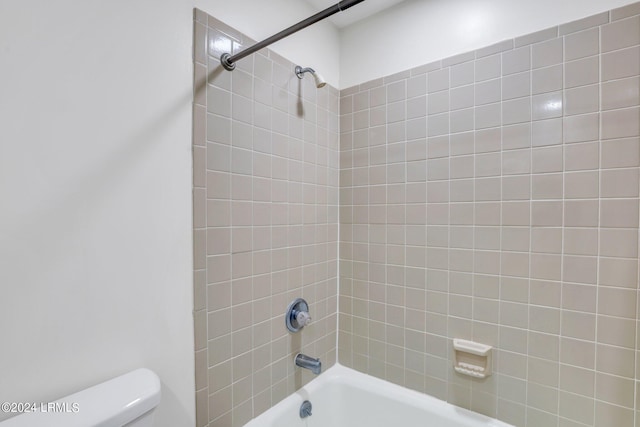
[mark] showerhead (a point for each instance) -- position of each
(319, 80)
(316, 76)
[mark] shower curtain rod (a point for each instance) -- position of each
(228, 61)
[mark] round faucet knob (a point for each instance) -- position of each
(303, 318)
(297, 315)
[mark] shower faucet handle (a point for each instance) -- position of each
(297, 316)
(303, 318)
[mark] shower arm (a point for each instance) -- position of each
(228, 61)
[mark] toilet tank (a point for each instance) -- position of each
(128, 400)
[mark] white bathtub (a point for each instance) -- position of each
(342, 397)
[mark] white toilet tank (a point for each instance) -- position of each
(125, 401)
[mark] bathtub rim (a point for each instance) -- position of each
(343, 375)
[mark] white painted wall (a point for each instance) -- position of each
(417, 32)
(317, 46)
(95, 187)
(95, 190)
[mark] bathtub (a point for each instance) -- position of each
(342, 397)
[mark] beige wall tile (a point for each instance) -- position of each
(620, 123)
(576, 408)
(579, 297)
(583, 156)
(462, 97)
(621, 153)
(620, 183)
(581, 185)
(581, 128)
(516, 60)
(487, 165)
(511, 412)
(547, 105)
(488, 67)
(513, 364)
(462, 167)
(581, 241)
(519, 111)
(584, 23)
(488, 140)
(610, 414)
(582, 72)
(621, 93)
(621, 63)
(617, 302)
(542, 398)
(618, 272)
(582, 44)
(580, 269)
(615, 360)
(625, 11)
(396, 91)
(543, 372)
(581, 100)
(546, 132)
(546, 240)
(621, 243)
(516, 162)
(578, 353)
(461, 143)
(513, 339)
(516, 187)
(488, 116)
(617, 331)
(545, 266)
(539, 36)
(581, 213)
(462, 74)
(577, 380)
(514, 289)
(519, 85)
(579, 325)
(545, 293)
(486, 92)
(513, 214)
(546, 214)
(515, 239)
(515, 264)
(548, 186)
(517, 136)
(619, 213)
(544, 319)
(416, 86)
(547, 53)
(621, 34)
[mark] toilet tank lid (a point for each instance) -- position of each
(109, 404)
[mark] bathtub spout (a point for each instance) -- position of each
(310, 363)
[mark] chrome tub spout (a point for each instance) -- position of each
(310, 363)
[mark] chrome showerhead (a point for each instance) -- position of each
(316, 76)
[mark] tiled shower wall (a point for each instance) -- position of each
(266, 172)
(493, 196)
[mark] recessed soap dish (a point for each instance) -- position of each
(472, 358)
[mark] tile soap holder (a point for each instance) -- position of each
(472, 358)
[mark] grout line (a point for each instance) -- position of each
(599, 231)
(530, 226)
(562, 241)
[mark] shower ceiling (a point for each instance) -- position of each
(356, 13)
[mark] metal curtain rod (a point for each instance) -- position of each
(229, 62)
